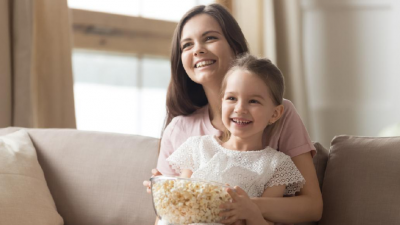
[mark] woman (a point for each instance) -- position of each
(205, 42)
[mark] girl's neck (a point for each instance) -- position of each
(214, 106)
(239, 144)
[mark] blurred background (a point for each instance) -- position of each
(104, 65)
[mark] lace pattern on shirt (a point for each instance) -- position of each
(185, 157)
(286, 173)
(253, 171)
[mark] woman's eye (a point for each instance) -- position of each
(211, 38)
(185, 45)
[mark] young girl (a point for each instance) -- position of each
(252, 95)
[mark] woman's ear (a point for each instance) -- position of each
(278, 112)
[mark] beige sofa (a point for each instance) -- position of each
(96, 178)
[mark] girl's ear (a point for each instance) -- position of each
(278, 112)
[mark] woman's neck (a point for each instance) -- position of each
(214, 106)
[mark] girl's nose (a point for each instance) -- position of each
(240, 108)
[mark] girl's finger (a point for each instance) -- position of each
(229, 220)
(232, 193)
(239, 191)
(227, 214)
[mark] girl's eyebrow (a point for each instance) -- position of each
(204, 34)
(257, 96)
(252, 96)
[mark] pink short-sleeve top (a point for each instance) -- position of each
(291, 138)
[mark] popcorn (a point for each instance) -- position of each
(184, 201)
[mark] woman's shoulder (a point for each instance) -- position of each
(189, 120)
(201, 138)
(288, 106)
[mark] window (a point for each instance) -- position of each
(121, 62)
(154, 9)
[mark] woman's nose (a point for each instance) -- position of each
(199, 49)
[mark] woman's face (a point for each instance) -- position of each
(206, 54)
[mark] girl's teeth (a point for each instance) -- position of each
(241, 122)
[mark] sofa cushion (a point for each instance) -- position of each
(96, 178)
(320, 160)
(362, 181)
(24, 195)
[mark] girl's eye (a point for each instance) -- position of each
(231, 98)
(254, 101)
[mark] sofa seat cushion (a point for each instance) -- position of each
(362, 181)
(24, 195)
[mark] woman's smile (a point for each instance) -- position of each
(204, 63)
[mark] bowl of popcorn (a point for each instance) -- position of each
(186, 200)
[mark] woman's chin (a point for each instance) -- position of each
(208, 79)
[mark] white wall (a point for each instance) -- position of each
(351, 50)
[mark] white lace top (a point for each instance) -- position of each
(253, 171)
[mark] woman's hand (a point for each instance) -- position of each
(147, 183)
(241, 208)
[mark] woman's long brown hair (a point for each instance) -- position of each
(183, 95)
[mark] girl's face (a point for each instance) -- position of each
(206, 54)
(247, 107)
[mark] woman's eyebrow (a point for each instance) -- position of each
(210, 31)
(204, 34)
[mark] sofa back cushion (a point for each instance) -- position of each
(24, 195)
(96, 178)
(320, 160)
(362, 181)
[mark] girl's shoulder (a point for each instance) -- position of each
(275, 154)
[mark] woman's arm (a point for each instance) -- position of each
(307, 206)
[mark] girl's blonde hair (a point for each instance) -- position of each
(266, 71)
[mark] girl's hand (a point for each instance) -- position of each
(241, 207)
(239, 222)
(147, 183)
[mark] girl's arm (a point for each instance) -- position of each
(186, 173)
(305, 207)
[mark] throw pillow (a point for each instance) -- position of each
(24, 195)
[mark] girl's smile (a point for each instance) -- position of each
(241, 122)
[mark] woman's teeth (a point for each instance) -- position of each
(241, 121)
(204, 63)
